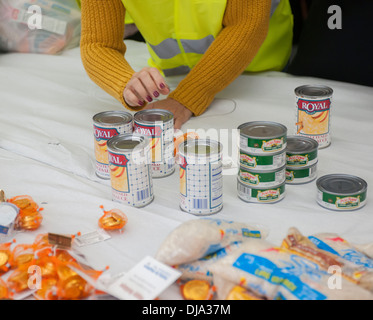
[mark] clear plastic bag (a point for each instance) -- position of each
(39, 26)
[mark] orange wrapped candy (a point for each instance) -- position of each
(112, 220)
(29, 217)
(240, 293)
(18, 280)
(23, 255)
(3, 290)
(197, 290)
(5, 257)
(48, 290)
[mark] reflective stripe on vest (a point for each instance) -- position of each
(177, 37)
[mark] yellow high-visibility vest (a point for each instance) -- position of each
(179, 32)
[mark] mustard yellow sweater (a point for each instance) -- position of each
(102, 49)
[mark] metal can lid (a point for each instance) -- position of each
(341, 184)
(200, 147)
(127, 142)
(112, 118)
(262, 129)
(301, 144)
(313, 91)
(153, 115)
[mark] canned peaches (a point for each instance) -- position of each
(158, 126)
(129, 163)
(313, 106)
(106, 125)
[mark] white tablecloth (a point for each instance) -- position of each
(46, 151)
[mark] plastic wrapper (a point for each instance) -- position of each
(201, 269)
(360, 265)
(112, 220)
(29, 216)
(5, 257)
(276, 273)
(197, 238)
(39, 26)
(3, 290)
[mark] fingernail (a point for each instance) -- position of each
(149, 98)
(156, 94)
(141, 103)
(162, 86)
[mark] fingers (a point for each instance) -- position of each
(144, 86)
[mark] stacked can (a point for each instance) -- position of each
(301, 159)
(129, 164)
(262, 161)
(158, 126)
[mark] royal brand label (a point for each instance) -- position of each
(313, 106)
(156, 143)
(104, 133)
(161, 144)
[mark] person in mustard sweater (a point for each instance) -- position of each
(211, 49)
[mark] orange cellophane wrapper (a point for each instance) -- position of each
(48, 290)
(182, 138)
(4, 294)
(70, 285)
(113, 220)
(23, 255)
(41, 241)
(29, 217)
(5, 257)
(18, 280)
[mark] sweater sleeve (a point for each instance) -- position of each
(102, 47)
(245, 26)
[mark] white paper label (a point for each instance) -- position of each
(91, 238)
(145, 281)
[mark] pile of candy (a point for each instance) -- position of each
(48, 272)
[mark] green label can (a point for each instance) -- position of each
(301, 175)
(260, 195)
(301, 151)
(341, 192)
(262, 137)
(262, 161)
(261, 179)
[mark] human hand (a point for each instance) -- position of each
(144, 85)
(181, 113)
